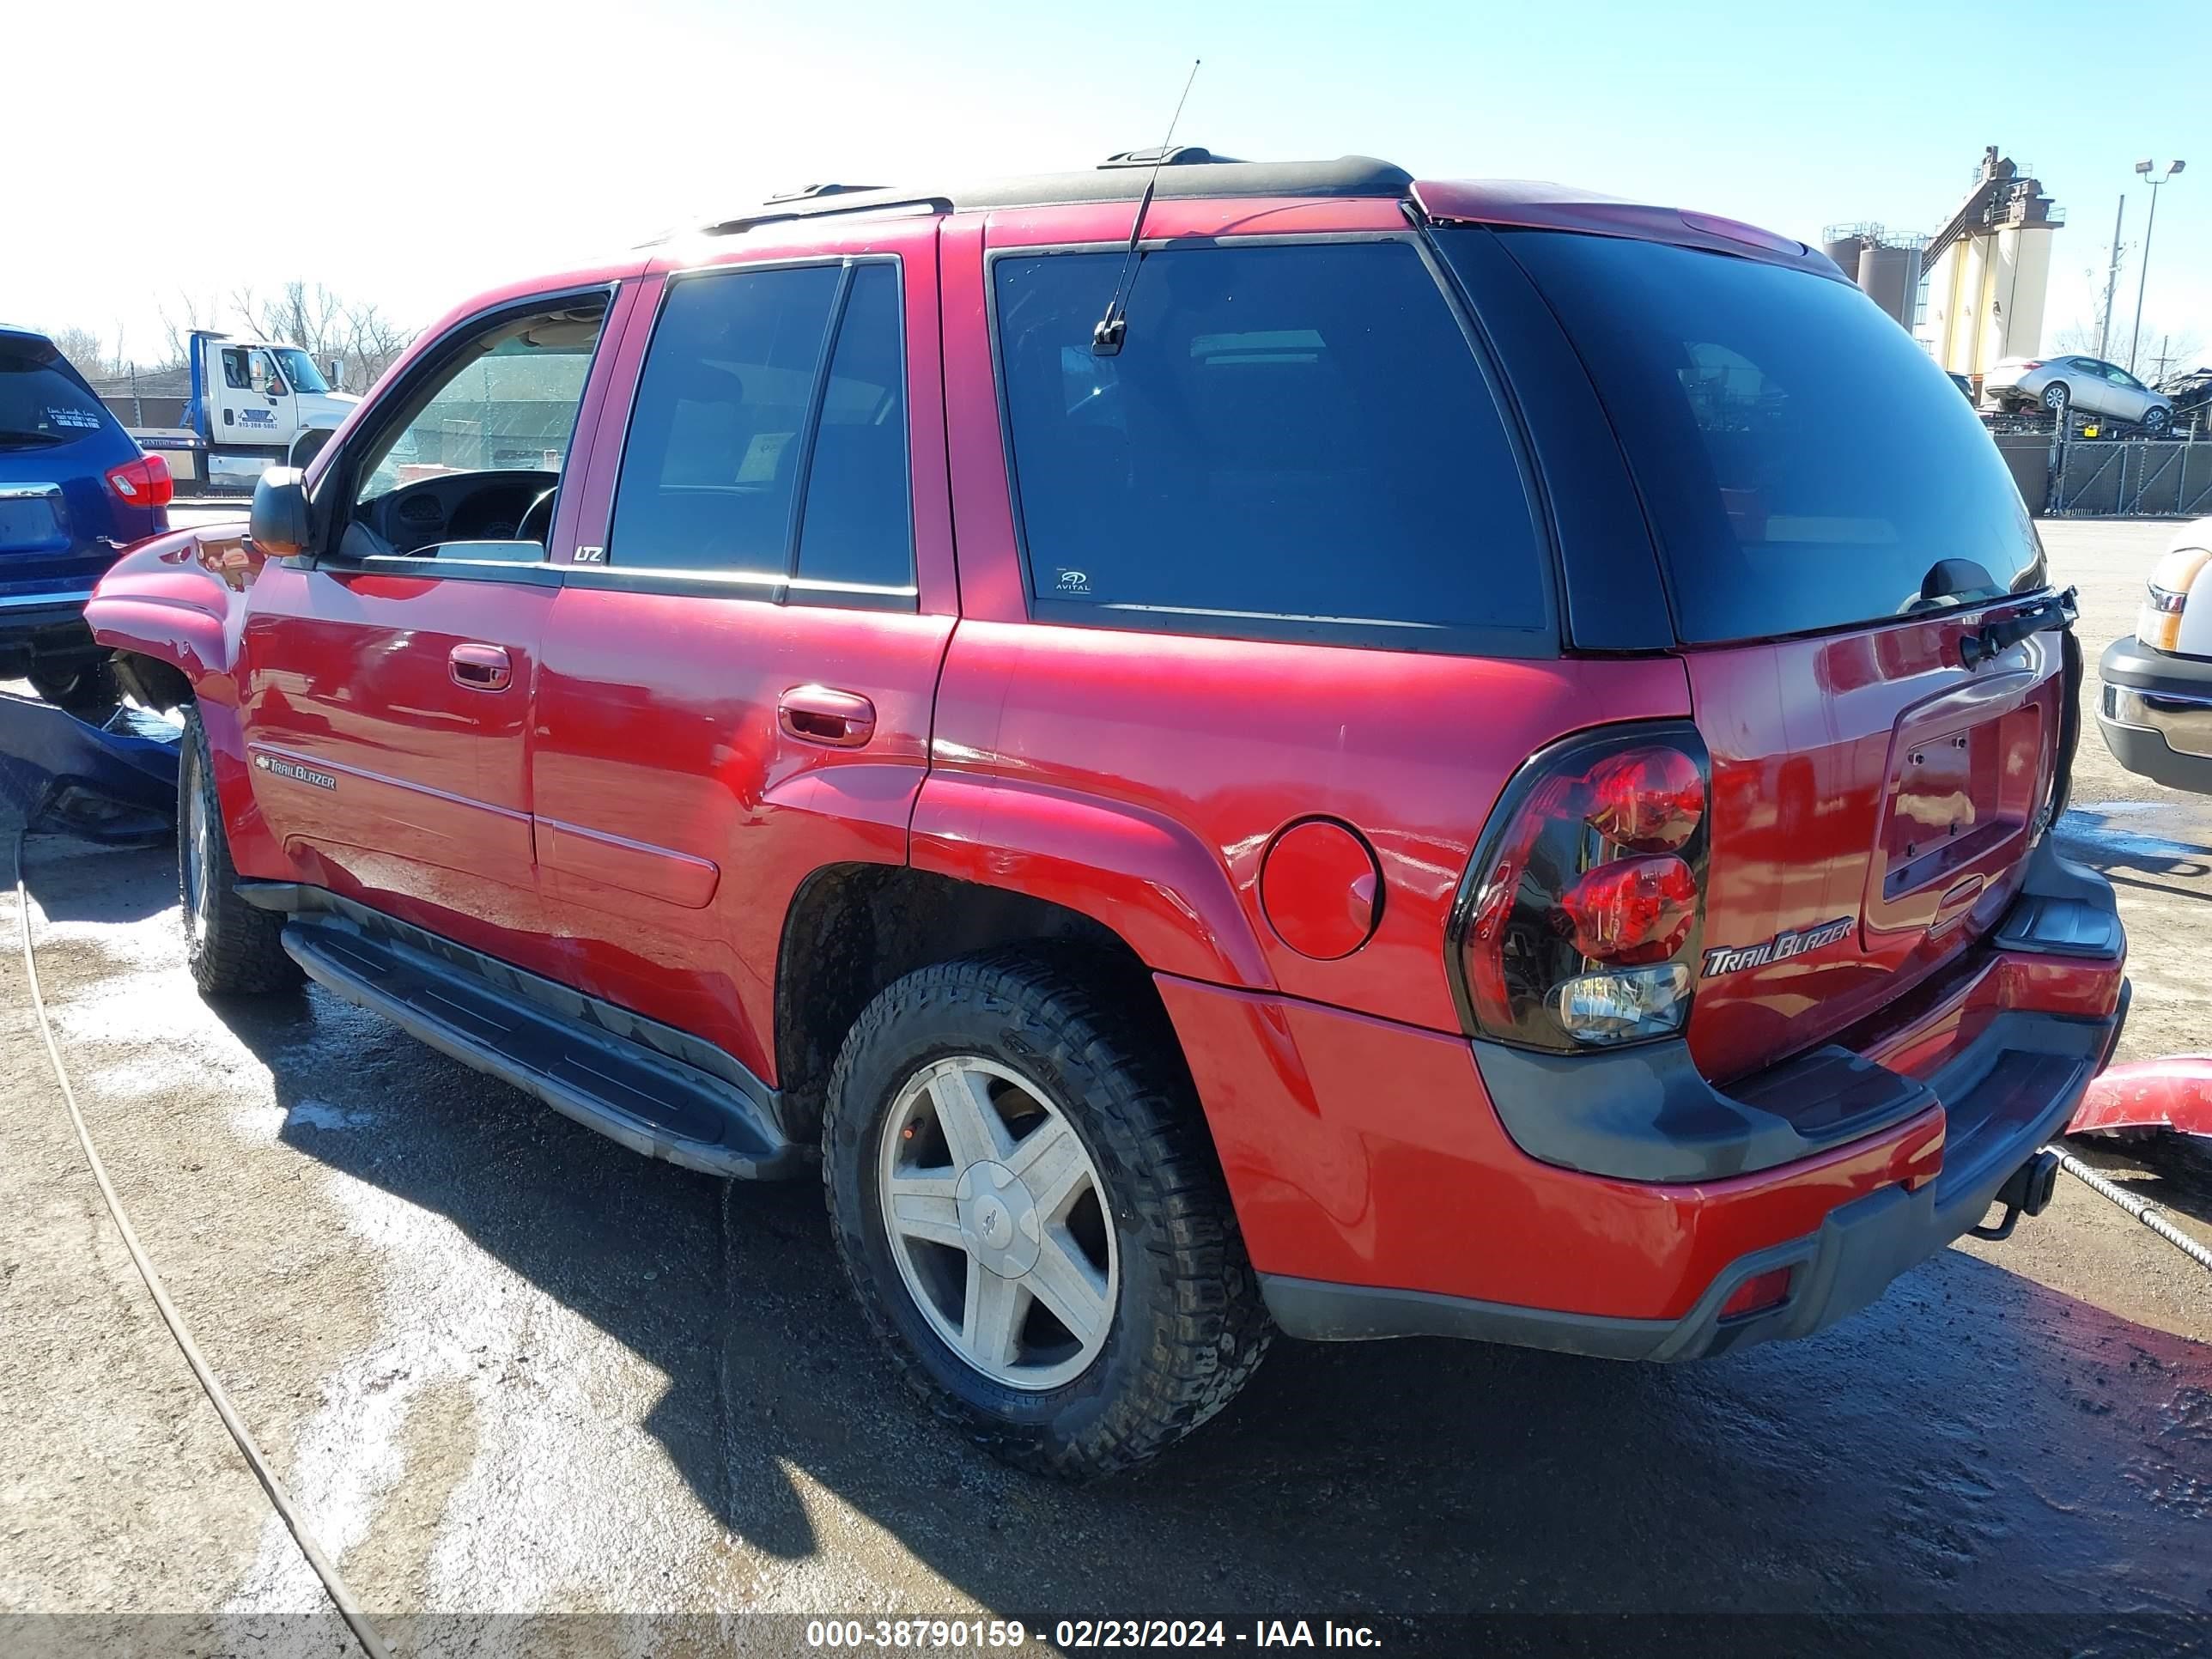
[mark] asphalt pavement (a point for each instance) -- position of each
(537, 1395)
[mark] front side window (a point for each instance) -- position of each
(473, 451)
(768, 442)
(1294, 442)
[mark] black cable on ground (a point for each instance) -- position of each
(341, 1597)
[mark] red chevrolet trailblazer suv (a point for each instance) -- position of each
(1325, 753)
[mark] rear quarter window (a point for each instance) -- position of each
(1805, 465)
(1295, 441)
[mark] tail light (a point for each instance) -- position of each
(142, 483)
(2036, 362)
(1578, 923)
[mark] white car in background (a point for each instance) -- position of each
(2089, 386)
(2156, 712)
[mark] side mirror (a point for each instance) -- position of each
(337, 376)
(310, 444)
(279, 521)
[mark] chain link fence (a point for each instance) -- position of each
(2135, 478)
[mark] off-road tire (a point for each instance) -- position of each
(1189, 1326)
(235, 949)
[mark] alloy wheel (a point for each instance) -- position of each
(997, 1219)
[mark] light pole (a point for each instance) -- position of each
(2112, 277)
(2144, 168)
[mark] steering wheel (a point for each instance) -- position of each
(537, 523)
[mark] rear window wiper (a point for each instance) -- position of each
(17, 435)
(1992, 639)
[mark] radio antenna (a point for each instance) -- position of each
(1106, 338)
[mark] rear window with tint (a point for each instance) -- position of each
(1806, 464)
(1295, 442)
(42, 405)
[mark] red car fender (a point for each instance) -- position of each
(1143, 875)
(180, 598)
(2174, 1092)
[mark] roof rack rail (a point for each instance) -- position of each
(1174, 156)
(812, 192)
(752, 221)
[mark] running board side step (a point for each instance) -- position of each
(649, 1101)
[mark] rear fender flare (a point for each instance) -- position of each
(1147, 878)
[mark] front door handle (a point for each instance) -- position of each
(817, 713)
(480, 667)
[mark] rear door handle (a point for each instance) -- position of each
(817, 713)
(480, 667)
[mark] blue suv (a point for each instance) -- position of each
(75, 491)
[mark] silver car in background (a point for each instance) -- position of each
(2087, 385)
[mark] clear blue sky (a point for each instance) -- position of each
(412, 153)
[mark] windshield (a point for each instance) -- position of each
(42, 403)
(300, 369)
(1805, 465)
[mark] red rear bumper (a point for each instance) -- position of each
(1380, 1195)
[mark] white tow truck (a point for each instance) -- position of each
(253, 404)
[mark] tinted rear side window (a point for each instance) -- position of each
(1295, 441)
(858, 528)
(710, 474)
(1805, 464)
(42, 405)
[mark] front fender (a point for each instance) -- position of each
(1148, 879)
(180, 598)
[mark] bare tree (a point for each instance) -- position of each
(374, 343)
(329, 327)
(2165, 354)
(84, 349)
(2164, 351)
(177, 336)
(2077, 336)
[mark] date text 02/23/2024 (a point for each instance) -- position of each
(996, 1635)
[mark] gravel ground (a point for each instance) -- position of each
(509, 1368)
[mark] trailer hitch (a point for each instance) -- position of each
(2027, 1192)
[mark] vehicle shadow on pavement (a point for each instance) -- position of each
(2113, 845)
(1973, 1441)
(150, 890)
